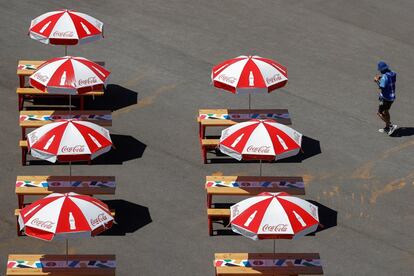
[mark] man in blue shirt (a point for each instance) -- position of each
(386, 83)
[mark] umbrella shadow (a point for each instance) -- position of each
(115, 97)
(328, 217)
(310, 148)
(129, 217)
(403, 131)
(125, 148)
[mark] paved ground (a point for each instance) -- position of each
(163, 51)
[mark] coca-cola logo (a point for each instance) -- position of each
(261, 149)
(274, 79)
(33, 137)
(74, 149)
(40, 77)
(88, 81)
(274, 228)
(42, 224)
(235, 210)
(63, 34)
(227, 79)
(99, 220)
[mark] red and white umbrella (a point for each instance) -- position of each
(65, 27)
(69, 75)
(260, 140)
(274, 216)
(69, 140)
(65, 215)
(249, 74)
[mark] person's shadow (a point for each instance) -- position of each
(403, 131)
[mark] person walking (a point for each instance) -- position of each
(386, 83)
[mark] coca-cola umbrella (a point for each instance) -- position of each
(65, 216)
(249, 75)
(65, 27)
(69, 75)
(69, 140)
(260, 140)
(274, 216)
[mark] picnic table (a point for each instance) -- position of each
(60, 265)
(25, 68)
(267, 264)
(246, 186)
(228, 117)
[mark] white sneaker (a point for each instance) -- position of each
(392, 129)
(383, 130)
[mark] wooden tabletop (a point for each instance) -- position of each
(37, 118)
(228, 117)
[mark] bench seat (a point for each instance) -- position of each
(44, 185)
(267, 264)
(61, 265)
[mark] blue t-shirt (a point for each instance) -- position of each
(387, 86)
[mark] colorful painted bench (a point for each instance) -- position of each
(21, 232)
(38, 118)
(42, 185)
(25, 93)
(246, 186)
(61, 265)
(267, 264)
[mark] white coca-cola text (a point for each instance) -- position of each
(261, 149)
(227, 79)
(274, 228)
(273, 79)
(74, 149)
(88, 81)
(63, 34)
(101, 218)
(40, 77)
(43, 224)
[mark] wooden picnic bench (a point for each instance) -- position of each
(246, 186)
(228, 117)
(38, 118)
(267, 264)
(60, 265)
(25, 93)
(43, 185)
(21, 232)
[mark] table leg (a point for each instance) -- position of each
(210, 226)
(82, 102)
(209, 200)
(24, 152)
(21, 81)
(23, 133)
(20, 102)
(204, 154)
(20, 201)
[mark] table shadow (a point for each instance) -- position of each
(115, 97)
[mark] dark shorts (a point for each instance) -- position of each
(384, 106)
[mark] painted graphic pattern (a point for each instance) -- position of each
(244, 116)
(61, 264)
(84, 184)
(85, 117)
(268, 262)
(256, 184)
(26, 67)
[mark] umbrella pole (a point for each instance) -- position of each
(66, 50)
(274, 246)
(249, 101)
(67, 246)
(260, 170)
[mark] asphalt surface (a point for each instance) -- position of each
(161, 53)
